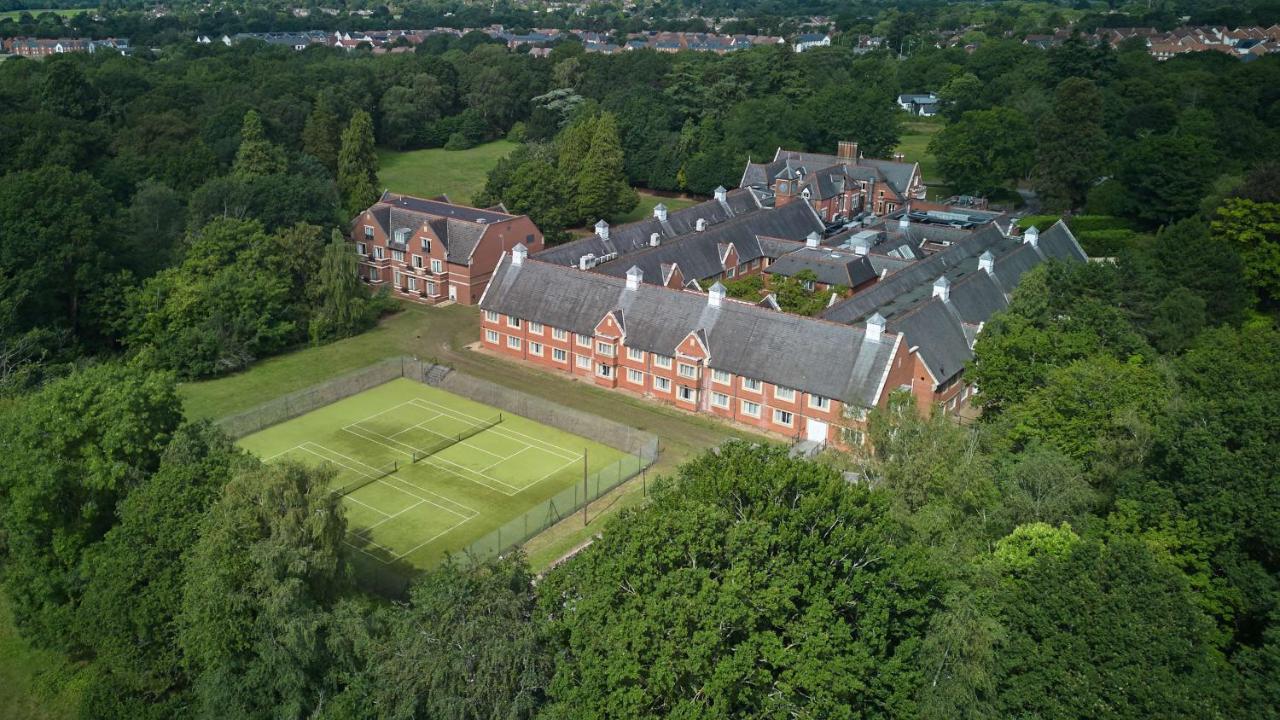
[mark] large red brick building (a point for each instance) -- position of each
(434, 251)
(804, 378)
(838, 187)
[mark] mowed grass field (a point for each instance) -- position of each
(916, 134)
(460, 174)
(436, 501)
(64, 12)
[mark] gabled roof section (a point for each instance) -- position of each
(742, 338)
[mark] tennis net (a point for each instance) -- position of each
(378, 474)
(448, 442)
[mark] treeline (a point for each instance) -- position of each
(1109, 131)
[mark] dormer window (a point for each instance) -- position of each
(402, 236)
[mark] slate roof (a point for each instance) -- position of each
(459, 227)
(823, 172)
(698, 254)
(944, 330)
(629, 238)
(831, 266)
(836, 361)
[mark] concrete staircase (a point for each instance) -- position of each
(437, 374)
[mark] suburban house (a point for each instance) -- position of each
(805, 378)
(811, 40)
(923, 105)
(838, 187)
(434, 251)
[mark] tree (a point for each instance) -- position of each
(73, 451)
(258, 588)
(1166, 175)
(321, 135)
(753, 586)
(1071, 144)
(1253, 230)
(155, 221)
(984, 150)
(358, 165)
(839, 112)
(257, 155)
(133, 596)
(466, 646)
(342, 305)
(961, 94)
(406, 109)
(602, 189)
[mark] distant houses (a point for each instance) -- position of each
(811, 40)
(30, 47)
(922, 105)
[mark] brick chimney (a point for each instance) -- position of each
(847, 150)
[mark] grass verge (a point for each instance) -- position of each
(460, 174)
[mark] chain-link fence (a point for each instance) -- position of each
(290, 406)
(564, 504)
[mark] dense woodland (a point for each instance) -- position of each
(1105, 541)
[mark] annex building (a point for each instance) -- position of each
(434, 251)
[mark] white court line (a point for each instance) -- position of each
(560, 469)
(383, 412)
(383, 481)
(410, 452)
(486, 469)
(499, 429)
(344, 457)
(384, 515)
(412, 427)
(428, 541)
(363, 531)
(423, 490)
(435, 461)
(282, 452)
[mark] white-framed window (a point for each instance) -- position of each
(750, 409)
(513, 321)
(584, 361)
(635, 354)
(436, 266)
(582, 340)
(856, 437)
(661, 361)
(426, 245)
(720, 376)
(491, 336)
(751, 384)
(661, 383)
(604, 371)
(819, 403)
(368, 231)
(417, 261)
(686, 393)
(535, 348)
(362, 249)
(535, 328)
(491, 316)
(559, 355)
(732, 272)
(719, 400)
(635, 376)
(785, 394)
(558, 334)
(375, 275)
(605, 349)
(399, 278)
(513, 342)
(397, 255)
(413, 283)
(807, 285)
(379, 252)
(431, 287)
(782, 417)
(688, 371)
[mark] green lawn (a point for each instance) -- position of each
(66, 12)
(430, 472)
(644, 209)
(460, 174)
(35, 684)
(915, 143)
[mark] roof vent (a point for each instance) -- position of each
(660, 212)
(987, 262)
(811, 240)
(904, 222)
(655, 239)
(602, 229)
(634, 276)
(942, 288)
(721, 193)
(700, 225)
(715, 296)
(1031, 236)
(875, 328)
(518, 254)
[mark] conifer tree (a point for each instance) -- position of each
(257, 156)
(358, 164)
(321, 134)
(602, 182)
(342, 305)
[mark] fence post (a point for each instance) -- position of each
(585, 496)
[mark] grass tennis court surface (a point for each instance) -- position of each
(435, 500)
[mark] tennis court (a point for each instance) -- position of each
(424, 472)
